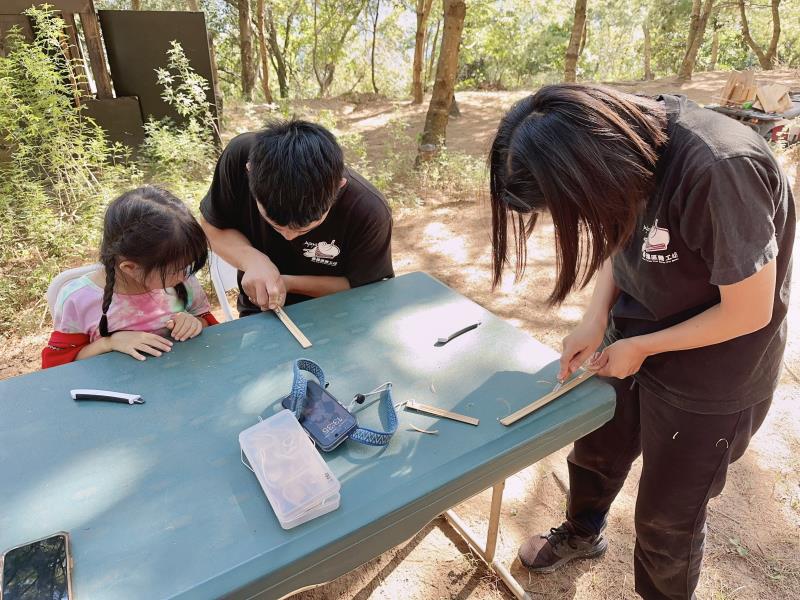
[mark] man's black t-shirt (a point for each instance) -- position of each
(722, 209)
(354, 240)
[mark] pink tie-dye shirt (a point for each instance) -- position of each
(80, 305)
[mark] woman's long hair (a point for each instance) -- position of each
(154, 229)
(586, 154)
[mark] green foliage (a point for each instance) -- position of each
(58, 172)
(506, 44)
(177, 152)
(55, 167)
(388, 170)
(456, 174)
(184, 89)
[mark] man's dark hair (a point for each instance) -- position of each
(587, 155)
(295, 171)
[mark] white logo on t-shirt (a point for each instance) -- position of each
(655, 245)
(322, 252)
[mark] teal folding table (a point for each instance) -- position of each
(158, 503)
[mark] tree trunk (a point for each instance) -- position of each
(423, 10)
(648, 51)
(136, 4)
(277, 54)
(433, 53)
(434, 134)
(374, 35)
(584, 37)
(314, 52)
(697, 31)
(246, 50)
(262, 47)
(766, 60)
(573, 49)
(218, 95)
(712, 64)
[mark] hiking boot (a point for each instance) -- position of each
(546, 553)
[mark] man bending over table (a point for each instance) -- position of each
(297, 224)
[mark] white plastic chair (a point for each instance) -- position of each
(59, 281)
(223, 277)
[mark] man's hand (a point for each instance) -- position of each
(139, 343)
(621, 359)
(579, 345)
(263, 284)
(184, 326)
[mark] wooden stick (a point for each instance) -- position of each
(293, 329)
(546, 399)
(440, 412)
(97, 56)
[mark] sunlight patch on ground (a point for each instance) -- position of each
(570, 313)
(442, 241)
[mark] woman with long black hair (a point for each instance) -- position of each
(686, 222)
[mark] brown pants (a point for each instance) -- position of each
(685, 458)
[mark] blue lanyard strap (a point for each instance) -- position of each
(297, 397)
(362, 435)
(388, 415)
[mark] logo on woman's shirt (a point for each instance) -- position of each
(656, 244)
(322, 252)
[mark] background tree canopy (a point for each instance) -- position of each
(506, 44)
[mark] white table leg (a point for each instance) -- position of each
(487, 552)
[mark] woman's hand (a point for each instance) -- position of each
(184, 326)
(139, 343)
(579, 345)
(621, 359)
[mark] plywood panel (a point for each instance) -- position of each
(15, 7)
(133, 63)
(121, 119)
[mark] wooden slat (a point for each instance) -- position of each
(77, 66)
(440, 412)
(546, 399)
(97, 56)
(293, 329)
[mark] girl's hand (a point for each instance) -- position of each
(135, 343)
(579, 345)
(621, 359)
(184, 326)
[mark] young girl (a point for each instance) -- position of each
(687, 222)
(145, 289)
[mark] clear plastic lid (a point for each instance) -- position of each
(292, 473)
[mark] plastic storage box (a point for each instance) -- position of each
(298, 483)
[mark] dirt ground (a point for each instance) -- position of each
(753, 544)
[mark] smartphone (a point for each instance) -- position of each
(326, 421)
(38, 569)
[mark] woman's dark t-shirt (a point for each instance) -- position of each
(722, 209)
(354, 240)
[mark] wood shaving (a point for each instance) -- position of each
(544, 381)
(433, 389)
(727, 445)
(676, 435)
(428, 431)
